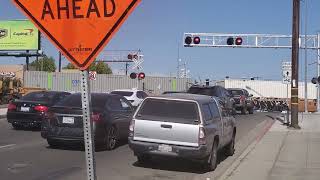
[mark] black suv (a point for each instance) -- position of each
(223, 95)
(243, 100)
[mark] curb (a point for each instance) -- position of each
(246, 152)
(3, 116)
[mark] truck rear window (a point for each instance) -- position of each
(169, 111)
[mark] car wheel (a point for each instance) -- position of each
(251, 111)
(142, 159)
(213, 158)
(229, 149)
(52, 143)
(112, 138)
(244, 110)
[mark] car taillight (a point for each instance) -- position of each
(41, 108)
(11, 107)
(202, 136)
(96, 117)
(131, 128)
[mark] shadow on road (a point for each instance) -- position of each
(75, 146)
(178, 165)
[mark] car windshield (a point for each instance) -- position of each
(169, 111)
(236, 92)
(122, 93)
(38, 96)
(74, 100)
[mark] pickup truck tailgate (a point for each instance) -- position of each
(166, 132)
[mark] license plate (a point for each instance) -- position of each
(164, 148)
(25, 109)
(68, 120)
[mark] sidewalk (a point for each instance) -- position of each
(282, 154)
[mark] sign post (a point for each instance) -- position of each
(286, 79)
(79, 30)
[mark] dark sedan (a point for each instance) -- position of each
(111, 115)
(28, 111)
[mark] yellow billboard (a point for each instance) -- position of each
(16, 35)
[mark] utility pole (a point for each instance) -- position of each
(295, 65)
(305, 57)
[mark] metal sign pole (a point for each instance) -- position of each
(87, 126)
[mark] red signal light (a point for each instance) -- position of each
(238, 41)
(141, 76)
(196, 40)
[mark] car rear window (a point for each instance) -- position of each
(39, 96)
(236, 92)
(169, 111)
(74, 100)
(203, 91)
(122, 93)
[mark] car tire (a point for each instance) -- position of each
(111, 138)
(212, 162)
(52, 143)
(143, 159)
(251, 111)
(229, 149)
(244, 110)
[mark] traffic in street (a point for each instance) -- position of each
(159, 90)
(25, 154)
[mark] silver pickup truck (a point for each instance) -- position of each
(180, 125)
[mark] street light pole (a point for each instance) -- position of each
(295, 65)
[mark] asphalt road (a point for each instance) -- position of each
(25, 155)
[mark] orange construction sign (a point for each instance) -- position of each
(80, 29)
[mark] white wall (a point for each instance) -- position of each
(271, 89)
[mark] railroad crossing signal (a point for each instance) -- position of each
(80, 30)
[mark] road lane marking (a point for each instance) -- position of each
(6, 146)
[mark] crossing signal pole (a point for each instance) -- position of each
(295, 65)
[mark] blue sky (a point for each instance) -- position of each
(157, 26)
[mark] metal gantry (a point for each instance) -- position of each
(251, 40)
(275, 41)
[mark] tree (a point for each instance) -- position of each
(69, 66)
(44, 64)
(99, 67)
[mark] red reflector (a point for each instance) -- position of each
(12, 106)
(41, 108)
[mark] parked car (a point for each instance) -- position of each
(243, 100)
(28, 111)
(220, 92)
(187, 126)
(111, 115)
(133, 95)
